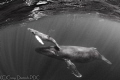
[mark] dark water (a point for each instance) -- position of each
(88, 24)
(19, 59)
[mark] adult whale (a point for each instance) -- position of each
(73, 54)
(69, 54)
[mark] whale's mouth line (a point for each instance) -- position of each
(45, 49)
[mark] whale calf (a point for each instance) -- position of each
(43, 37)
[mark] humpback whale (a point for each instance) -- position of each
(69, 54)
(43, 37)
(73, 54)
(76, 54)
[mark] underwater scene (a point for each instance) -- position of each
(59, 40)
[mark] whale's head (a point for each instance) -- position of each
(35, 32)
(49, 51)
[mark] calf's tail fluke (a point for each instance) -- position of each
(106, 60)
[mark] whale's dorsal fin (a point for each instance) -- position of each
(73, 68)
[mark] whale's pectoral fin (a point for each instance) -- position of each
(106, 60)
(39, 39)
(73, 68)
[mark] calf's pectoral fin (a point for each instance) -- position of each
(106, 60)
(39, 39)
(73, 68)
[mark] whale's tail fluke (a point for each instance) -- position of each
(106, 60)
(103, 58)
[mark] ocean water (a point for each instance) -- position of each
(18, 59)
